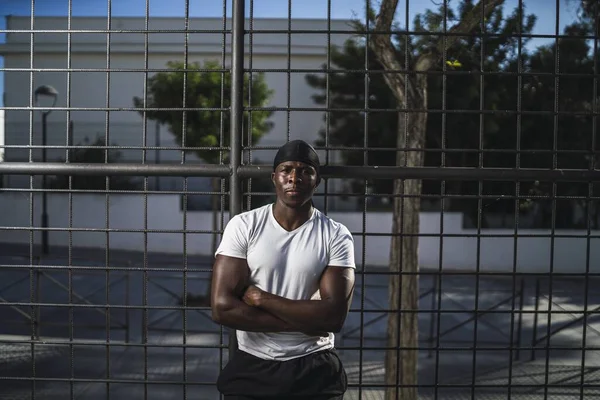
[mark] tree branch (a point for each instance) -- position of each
(385, 17)
(381, 43)
(465, 26)
(470, 21)
(384, 50)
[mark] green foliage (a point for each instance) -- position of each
(564, 140)
(208, 88)
(456, 123)
(93, 153)
(347, 90)
(589, 12)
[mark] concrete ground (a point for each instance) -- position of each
(101, 363)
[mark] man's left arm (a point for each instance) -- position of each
(328, 314)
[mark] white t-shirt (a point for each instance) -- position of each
(288, 264)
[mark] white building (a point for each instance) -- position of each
(44, 63)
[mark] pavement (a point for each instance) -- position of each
(121, 335)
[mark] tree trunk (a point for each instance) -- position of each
(402, 330)
(403, 334)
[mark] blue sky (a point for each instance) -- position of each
(340, 9)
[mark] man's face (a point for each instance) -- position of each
(295, 183)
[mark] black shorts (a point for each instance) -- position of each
(317, 376)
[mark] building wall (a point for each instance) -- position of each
(89, 90)
(99, 89)
(458, 248)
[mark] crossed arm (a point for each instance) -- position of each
(239, 305)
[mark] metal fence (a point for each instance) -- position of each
(510, 137)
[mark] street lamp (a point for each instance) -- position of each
(45, 91)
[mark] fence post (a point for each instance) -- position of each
(38, 297)
(127, 292)
(535, 318)
(432, 319)
(520, 323)
(237, 119)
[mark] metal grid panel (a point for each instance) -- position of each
(103, 307)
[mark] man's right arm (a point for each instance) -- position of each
(230, 279)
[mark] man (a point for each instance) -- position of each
(284, 279)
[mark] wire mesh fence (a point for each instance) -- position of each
(459, 147)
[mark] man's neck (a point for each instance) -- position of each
(292, 218)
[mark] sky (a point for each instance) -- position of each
(340, 9)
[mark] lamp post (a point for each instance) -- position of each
(45, 91)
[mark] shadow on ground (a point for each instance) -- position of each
(122, 333)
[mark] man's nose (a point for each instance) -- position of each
(294, 176)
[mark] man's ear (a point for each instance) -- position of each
(273, 178)
(317, 184)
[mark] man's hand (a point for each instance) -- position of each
(327, 314)
(253, 296)
(230, 278)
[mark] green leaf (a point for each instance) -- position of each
(208, 88)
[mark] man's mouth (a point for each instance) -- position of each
(293, 191)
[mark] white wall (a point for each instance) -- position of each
(163, 213)
(90, 91)
(127, 51)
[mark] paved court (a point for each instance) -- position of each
(81, 367)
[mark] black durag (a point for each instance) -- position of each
(298, 150)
